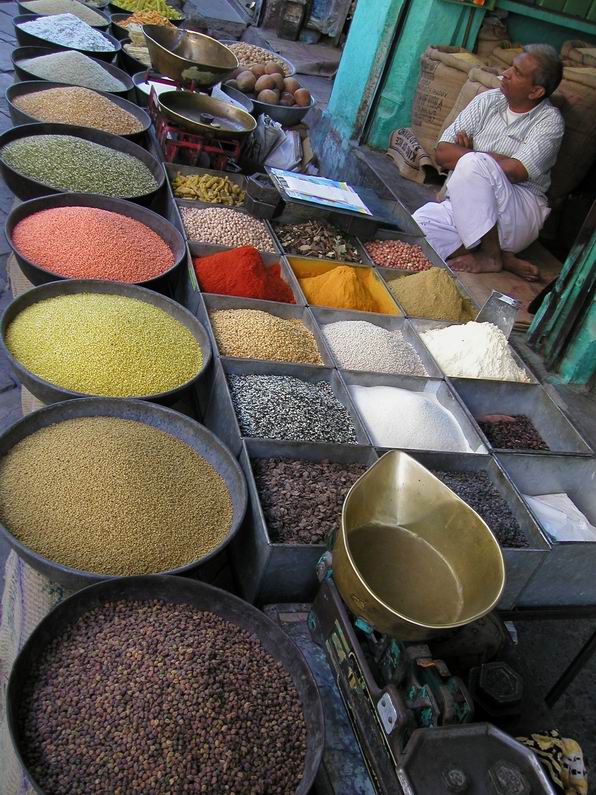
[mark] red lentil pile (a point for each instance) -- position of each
(397, 254)
(89, 243)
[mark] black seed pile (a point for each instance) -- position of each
(302, 500)
(140, 697)
(515, 433)
(476, 489)
(284, 407)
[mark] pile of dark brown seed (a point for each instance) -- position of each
(476, 489)
(315, 239)
(302, 500)
(141, 697)
(513, 433)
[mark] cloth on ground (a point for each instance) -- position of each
(480, 196)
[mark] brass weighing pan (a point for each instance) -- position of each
(203, 114)
(413, 559)
(186, 56)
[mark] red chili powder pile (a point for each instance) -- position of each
(242, 272)
(88, 243)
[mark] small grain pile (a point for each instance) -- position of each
(162, 8)
(284, 407)
(474, 350)
(399, 418)
(80, 10)
(342, 287)
(317, 239)
(432, 294)
(252, 334)
(221, 226)
(397, 254)
(358, 345)
(89, 243)
(516, 432)
(80, 106)
(101, 344)
(248, 54)
(113, 496)
(68, 31)
(242, 272)
(154, 697)
(476, 489)
(68, 163)
(302, 500)
(72, 67)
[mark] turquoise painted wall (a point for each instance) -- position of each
(533, 31)
(427, 22)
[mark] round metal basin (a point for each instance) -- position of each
(23, 10)
(29, 39)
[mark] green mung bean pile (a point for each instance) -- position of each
(113, 496)
(100, 344)
(75, 164)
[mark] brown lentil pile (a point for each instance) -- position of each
(302, 500)
(140, 697)
(315, 239)
(112, 496)
(80, 106)
(220, 226)
(252, 334)
(397, 254)
(515, 432)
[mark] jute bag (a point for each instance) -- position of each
(411, 159)
(578, 53)
(443, 71)
(492, 33)
(502, 56)
(480, 79)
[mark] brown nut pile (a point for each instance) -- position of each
(220, 226)
(397, 254)
(248, 54)
(140, 697)
(316, 239)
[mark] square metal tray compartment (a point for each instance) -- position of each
(214, 302)
(531, 400)
(198, 205)
(440, 389)
(566, 576)
(275, 572)
(391, 275)
(177, 168)
(520, 562)
(413, 239)
(220, 416)
(326, 316)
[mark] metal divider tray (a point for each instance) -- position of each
(213, 302)
(326, 316)
(433, 386)
(421, 325)
(279, 572)
(392, 274)
(220, 416)
(197, 249)
(566, 575)
(520, 562)
(531, 400)
(177, 168)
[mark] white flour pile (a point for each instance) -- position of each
(399, 418)
(474, 350)
(358, 345)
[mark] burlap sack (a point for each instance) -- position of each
(492, 33)
(443, 71)
(502, 56)
(480, 79)
(576, 99)
(411, 159)
(578, 53)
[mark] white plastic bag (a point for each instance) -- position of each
(561, 518)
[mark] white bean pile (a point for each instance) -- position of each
(220, 226)
(358, 345)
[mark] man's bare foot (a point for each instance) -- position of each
(476, 262)
(521, 267)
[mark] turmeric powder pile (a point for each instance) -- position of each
(432, 294)
(343, 288)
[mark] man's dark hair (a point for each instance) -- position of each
(550, 68)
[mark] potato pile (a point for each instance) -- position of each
(265, 82)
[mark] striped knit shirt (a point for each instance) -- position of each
(533, 138)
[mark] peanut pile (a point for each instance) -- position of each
(397, 254)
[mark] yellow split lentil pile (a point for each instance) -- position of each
(100, 344)
(113, 496)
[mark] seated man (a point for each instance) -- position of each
(500, 150)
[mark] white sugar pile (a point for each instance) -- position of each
(69, 31)
(358, 345)
(399, 418)
(474, 350)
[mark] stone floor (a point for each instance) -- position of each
(546, 646)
